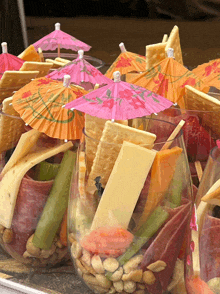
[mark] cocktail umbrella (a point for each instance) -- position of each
(169, 78)
(39, 105)
(126, 62)
(209, 72)
(8, 61)
(59, 39)
(120, 101)
(81, 72)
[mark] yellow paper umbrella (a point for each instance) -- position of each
(40, 102)
(126, 62)
(168, 78)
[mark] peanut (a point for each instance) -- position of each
(76, 250)
(110, 264)
(96, 263)
(89, 268)
(86, 257)
(81, 267)
(103, 281)
(132, 263)
(135, 276)
(157, 266)
(148, 278)
(2, 228)
(129, 286)
(48, 253)
(71, 238)
(116, 276)
(112, 290)
(31, 249)
(119, 286)
(7, 236)
(97, 288)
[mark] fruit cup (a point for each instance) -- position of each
(35, 176)
(130, 210)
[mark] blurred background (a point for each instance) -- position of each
(103, 24)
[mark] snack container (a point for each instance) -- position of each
(206, 253)
(130, 210)
(30, 166)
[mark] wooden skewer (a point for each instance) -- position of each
(40, 52)
(173, 135)
(199, 170)
(58, 50)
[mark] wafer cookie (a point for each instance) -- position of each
(42, 67)
(174, 42)
(154, 54)
(197, 100)
(94, 127)
(109, 146)
(14, 80)
(11, 126)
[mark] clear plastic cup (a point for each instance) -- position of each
(121, 246)
(32, 194)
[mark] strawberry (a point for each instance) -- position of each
(197, 140)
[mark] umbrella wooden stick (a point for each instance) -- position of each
(58, 50)
(173, 135)
(40, 52)
(199, 170)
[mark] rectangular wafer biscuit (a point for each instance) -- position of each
(197, 100)
(109, 146)
(154, 54)
(42, 67)
(93, 128)
(14, 80)
(174, 42)
(11, 126)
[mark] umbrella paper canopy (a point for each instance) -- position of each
(39, 105)
(127, 62)
(58, 38)
(81, 72)
(120, 101)
(8, 61)
(169, 78)
(209, 72)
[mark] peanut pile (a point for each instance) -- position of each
(128, 278)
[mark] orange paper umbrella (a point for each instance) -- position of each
(126, 62)
(40, 102)
(168, 78)
(209, 72)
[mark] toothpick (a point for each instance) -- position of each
(173, 135)
(199, 170)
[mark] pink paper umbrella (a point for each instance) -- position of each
(82, 73)
(120, 101)
(59, 39)
(8, 61)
